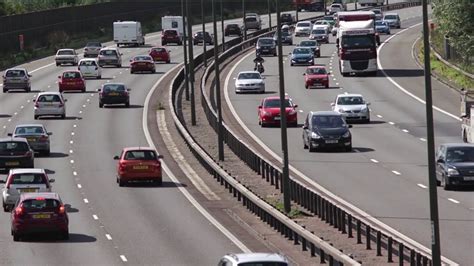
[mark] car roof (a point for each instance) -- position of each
(13, 139)
(29, 125)
(49, 93)
(27, 171)
(109, 48)
(349, 95)
(305, 21)
(263, 38)
(113, 83)
(16, 68)
(88, 59)
(244, 72)
(460, 144)
(138, 148)
(317, 66)
(253, 257)
(317, 113)
(391, 13)
(274, 98)
(66, 49)
(46, 195)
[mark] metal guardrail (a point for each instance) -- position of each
(340, 217)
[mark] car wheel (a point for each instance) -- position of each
(306, 86)
(5, 90)
(132, 72)
(99, 77)
(158, 182)
(101, 105)
(5, 207)
(153, 71)
(327, 86)
(398, 26)
(65, 235)
(28, 89)
(304, 145)
(16, 237)
(291, 64)
(36, 117)
(127, 104)
(58, 64)
(349, 148)
(168, 61)
(445, 184)
(47, 152)
(310, 148)
(119, 65)
(121, 182)
(63, 116)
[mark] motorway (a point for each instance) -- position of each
(386, 174)
(109, 225)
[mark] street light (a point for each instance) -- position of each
(191, 61)
(222, 26)
(203, 34)
(244, 14)
(220, 137)
(269, 15)
(284, 138)
(186, 67)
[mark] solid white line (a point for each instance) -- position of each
(79, 186)
(86, 201)
(108, 237)
(454, 201)
(396, 172)
(95, 217)
(173, 178)
(124, 259)
(422, 139)
(399, 86)
(374, 161)
(421, 185)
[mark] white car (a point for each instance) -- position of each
(21, 180)
(89, 67)
(50, 104)
(253, 259)
(303, 28)
(323, 22)
(334, 8)
(249, 81)
(378, 13)
(352, 107)
(66, 56)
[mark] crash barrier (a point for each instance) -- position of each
(327, 209)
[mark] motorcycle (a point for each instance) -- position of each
(259, 67)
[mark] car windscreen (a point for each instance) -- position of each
(65, 52)
(113, 87)
(379, 23)
(302, 51)
(331, 18)
(88, 63)
(29, 130)
(328, 121)
(142, 58)
(273, 103)
(15, 73)
(350, 100)
(460, 154)
(13, 146)
(316, 71)
(303, 24)
(28, 179)
(263, 263)
(265, 41)
(318, 32)
(364, 41)
(71, 75)
(308, 43)
(249, 76)
(233, 26)
(40, 204)
(140, 155)
(108, 52)
(390, 17)
(49, 98)
(250, 19)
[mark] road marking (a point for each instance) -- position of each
(404, 130)
(379, 116)
(74, 173)
(124, 259)
(72, 133)
(71, 151)
(108, 237)
(301, 111)
(79, 186)
(173, 178)
(9, 120)
(71, 141)
(421, 185)
(391, 123)
(334, 79)
(86, 201)
(80, 112)
(95, 217)
(72, 161)
(422, 139)
(22, 106)
(83, 106)
(356, 150)
(454, 201)
(396, 172)
(74, 125)
(374, 161)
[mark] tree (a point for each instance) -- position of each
(454, 19)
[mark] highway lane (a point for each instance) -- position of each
(386, 175)
(109, 225)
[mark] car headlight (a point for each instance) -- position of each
(315, 135)
(347, 134)
(452, 171)
(341, 110)
(364, 109)
(317, 48)
(310, 59)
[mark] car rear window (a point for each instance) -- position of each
(276, 103)
(140, 155)
(65, 52)
(263, 263)
(28, 130)
(15, 73)
(113, 87)
(171, 32)
(28, 179)
(142, 58)
(159, 50)
(12, 146)
(251, 19)
(390, 17)
(88, 63)
(108, 52)
(71, 75)
(40, 204)
(49, 98)
(303, 24)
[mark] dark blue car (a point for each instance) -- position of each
(382, 27)
(302, 56)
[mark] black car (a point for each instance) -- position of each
(326, 129)
(232, 29)
(266, 46)
(286, 37)
(114, 93)
(455, 165)
(199, 36)
(286, 18)
(15, 153)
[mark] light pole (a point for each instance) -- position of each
(203, 34)
(220, 137)
(222, 26)
(244, 14)
(191, 62)
(186, 67)
(296, 4)
(284, 139)
(435, 244)
(269, 15)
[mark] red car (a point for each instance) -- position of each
(142, 63)
(160, 54)
(170, 36)
(316, 76)
(71, 81)
(139, 164)
(39, 213)
(269, 112)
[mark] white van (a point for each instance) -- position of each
(128, 33)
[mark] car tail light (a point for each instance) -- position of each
(43, 138)
(29, 153)
(292, 112)
(86, 49)
(61, 104)
(62, 209)
(19, 211)
(122, 167)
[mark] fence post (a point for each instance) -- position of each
(390, 249)
(349, 225)
(412, 257)
(367, 236)
(379, 244)
(401, 256)
(359, 233)
(343, 221)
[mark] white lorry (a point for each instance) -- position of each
(371, 2)
(467, 116)
(128, 33)
(173, 23)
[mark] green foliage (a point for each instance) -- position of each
(455, 19)
(12, 7)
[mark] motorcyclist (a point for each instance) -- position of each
(258, 60)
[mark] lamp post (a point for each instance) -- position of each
(222, 26)
(284, 138)
(435, 244)
(244, 14)
(269, 15)
(186, 67)
(203, 34)
(220, 137)
(191, 62)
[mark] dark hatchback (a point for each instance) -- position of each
(232, 29)
(326, 129)
(15, 153)
(114, 93)
(200, 36)
(286, 18)
(265, 46)
(455, 165)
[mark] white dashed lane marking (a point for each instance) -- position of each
(79, 186)
(95, 217)
(374, 161)
(453, 200)
(421, 185)
(74, 173)
(124, 259)
(422, 139)
(71, 161)
(396, 172)
(86, 201)
(391, 123)
(379, 116)
(71, 141)
(108, 237)
(404, 130)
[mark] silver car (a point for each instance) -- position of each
(21, 180)
(393, 20)
(92, 49)
(303, 28)
(110, 56)
(16, 79)
(66, 56)
(37, 136)
(249, 81)
(50, 104)
(352, 107)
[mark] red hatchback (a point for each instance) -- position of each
(142, 63)
(170, 36)
(269, 112)
(39, 213)
(139, 164)
(160, 54)
(71, 81)
(316, 76)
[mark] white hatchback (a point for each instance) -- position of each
(89, 67)
(50, 104)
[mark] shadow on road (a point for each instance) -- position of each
(400, 73)
(45, 238)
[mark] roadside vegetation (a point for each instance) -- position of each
(13, 7)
